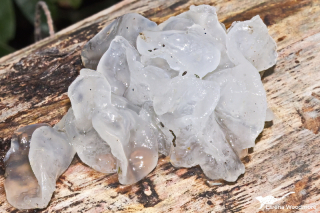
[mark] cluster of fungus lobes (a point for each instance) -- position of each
(187, 88)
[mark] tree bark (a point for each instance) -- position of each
(34, 82)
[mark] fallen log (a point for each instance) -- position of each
(34, 83)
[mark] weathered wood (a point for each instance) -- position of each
(34, 82)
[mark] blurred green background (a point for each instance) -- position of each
(17, 19)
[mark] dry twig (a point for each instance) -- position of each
(37, 20)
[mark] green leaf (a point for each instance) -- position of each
(5, 49)
(7, 21)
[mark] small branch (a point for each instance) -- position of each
(37, 20)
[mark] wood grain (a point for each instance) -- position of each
(34, 81)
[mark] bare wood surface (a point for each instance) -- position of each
(286, 158)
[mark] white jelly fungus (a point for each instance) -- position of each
(187, 88)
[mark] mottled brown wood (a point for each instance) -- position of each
(34, 82)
